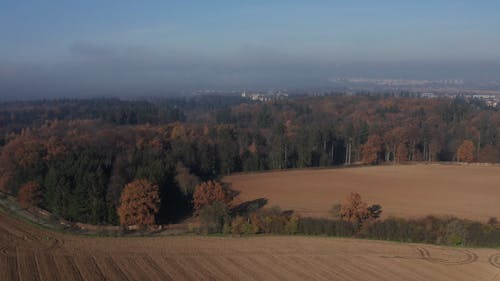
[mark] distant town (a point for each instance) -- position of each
(489, 92)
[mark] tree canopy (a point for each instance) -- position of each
(208, 193)
(139, 203)
(83, 152)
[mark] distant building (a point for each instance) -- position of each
(428, 95)
(264, 96)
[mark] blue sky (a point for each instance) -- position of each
(93, 46)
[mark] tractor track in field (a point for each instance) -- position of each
(29, 253)
(463, 256)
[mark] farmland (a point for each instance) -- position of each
(465, 191)
(29, 253)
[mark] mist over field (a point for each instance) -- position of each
(131, 76)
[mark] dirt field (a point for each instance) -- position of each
(471, 192)
(28, 253)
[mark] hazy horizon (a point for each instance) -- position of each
(94, 48)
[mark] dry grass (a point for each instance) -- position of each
(470, 192)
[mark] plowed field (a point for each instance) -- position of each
(468, 191)
(29, 253)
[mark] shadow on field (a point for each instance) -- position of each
(248, 207)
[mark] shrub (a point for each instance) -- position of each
(309, 226)
(240, 225)
(292, 225)
(395, 229)
(271, 220)
(335, 210)
(486, 236)
(317, 226)
(250, 229)
(237, 225)
(430, 229)
(456, 233)
(213, 217)
(226, 228)
(192, 227)
(343, 228)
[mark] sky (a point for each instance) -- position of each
(128, 47)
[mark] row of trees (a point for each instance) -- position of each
(373, 152)
(432, 230)
(355, 218)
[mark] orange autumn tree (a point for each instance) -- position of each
(465, 152)
(371, 149)
(30, 195)
(139, 203)
(209, 192)
(21, 152)
(354, 209)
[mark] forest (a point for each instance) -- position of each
(75, 157)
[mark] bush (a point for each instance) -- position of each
(335, 210)
(317, 226)
(226, 228)
(456, 233)
(213, 217)
(240, 225)
(292, 225)
(310, 226)
(430, 229)
(394, 229)
(271, 220)
(192, 228)
(237, 225)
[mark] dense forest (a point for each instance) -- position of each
(82, 153)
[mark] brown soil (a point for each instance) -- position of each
(465, 191)
(29, 253)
